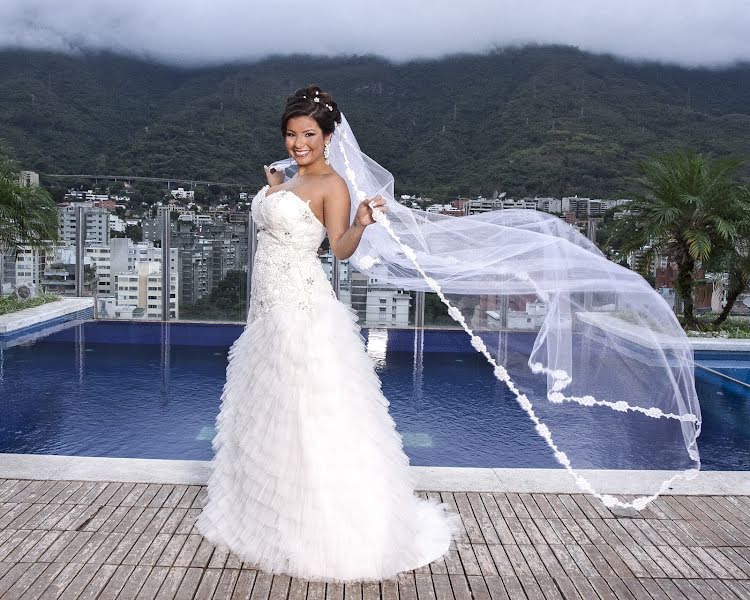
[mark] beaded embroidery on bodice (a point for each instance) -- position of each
(287, 270)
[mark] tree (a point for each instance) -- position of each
(735, 258)
(687, 207)
(28, 215)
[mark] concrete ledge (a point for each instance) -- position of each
(449, 479)
(29, 317)
(728, 345)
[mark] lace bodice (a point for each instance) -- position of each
(287, 270)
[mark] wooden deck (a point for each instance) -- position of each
(85, 540)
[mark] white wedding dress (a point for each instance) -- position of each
(309, 477)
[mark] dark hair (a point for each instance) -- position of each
(302, 104)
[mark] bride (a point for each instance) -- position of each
(309, 476)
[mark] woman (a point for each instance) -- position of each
(309, 476)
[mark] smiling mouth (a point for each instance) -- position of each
(305, 153)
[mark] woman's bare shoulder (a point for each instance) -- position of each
(336, 185)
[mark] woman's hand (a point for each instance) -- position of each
(274, 176)
(364, 217)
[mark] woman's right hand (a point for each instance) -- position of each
(274, 177)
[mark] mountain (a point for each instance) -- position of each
(545, 120)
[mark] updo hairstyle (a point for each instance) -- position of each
(313, 102)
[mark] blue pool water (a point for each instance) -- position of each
(146, 390)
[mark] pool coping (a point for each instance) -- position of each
(459, 479)
(19, 321)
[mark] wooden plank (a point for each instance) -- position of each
(97, 583)
(171, 583)
(125, 543)
(468, 559)
(680, 564)
(591, 527)
(687, 589)
(47, 539)
(188, 584)
(531, 507)
(389, 590)
(187, 498)
(460, 587)
(105, 549)
(228, 580)
(407, 587)
(531, 587)
(81, 492)
(534, 561)
(370, 591)
(443, 589)
(550, 562)
(171, 550)
(425, 589)
(503, 504)
(28, 574)
(484, 559)
(532, 531)
(517, 560)
(57, 586)
(566, 560)
(611, 589)
(175, 496)
(725, 591)
(187, 525)
(246, 581)
(24, 547)
(544, 506)
(471, 525)
(737, 560)
(496, 588)
(188, 550)
(462, 535)
(41, 583)
(497, 518)
(582, 561)
(547, 531)
(501, 560)
(78, 541)
(138, 550)
(483, 519)
(478, 588)
(655, 590)
(56, 547)
(560, 511)
(514, 588)
(561, 531)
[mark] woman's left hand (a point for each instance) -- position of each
(364, 210)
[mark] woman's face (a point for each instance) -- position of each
(305, 141)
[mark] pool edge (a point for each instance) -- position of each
(455, 479)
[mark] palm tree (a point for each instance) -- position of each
(735, 258)
(689, 208)
(28, 215)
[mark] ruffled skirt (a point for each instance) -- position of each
(309, 477)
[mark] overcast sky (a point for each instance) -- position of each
(199, 32)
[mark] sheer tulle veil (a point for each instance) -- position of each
(606, 381)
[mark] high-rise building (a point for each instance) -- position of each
(96, 218)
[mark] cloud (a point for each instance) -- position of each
(203, 32)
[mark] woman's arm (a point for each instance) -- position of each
(343, 236)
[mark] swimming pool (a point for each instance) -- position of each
(149, 390)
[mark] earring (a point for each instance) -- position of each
(327, 152)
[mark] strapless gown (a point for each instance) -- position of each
(309, 477)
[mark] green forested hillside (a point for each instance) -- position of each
(539, 120)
